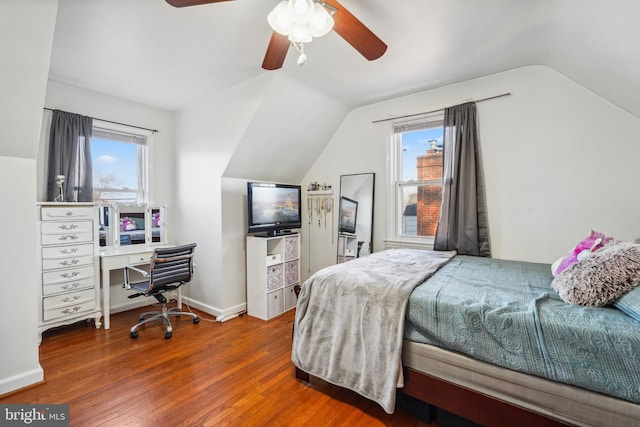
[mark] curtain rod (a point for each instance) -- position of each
(439, 109)
(110, 121)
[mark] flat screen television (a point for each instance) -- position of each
(273, 208)
(348, 215)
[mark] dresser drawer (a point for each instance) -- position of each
(57, 213)
(68, 275)
(66, 227)
(67, 311)
(72, 285)
(68, 251)
(70, 298)
(57, 239)
(52, 264)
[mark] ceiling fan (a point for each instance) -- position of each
(344, 23)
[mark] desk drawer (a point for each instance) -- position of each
(58, 213)
(68, 275)
(143, 258)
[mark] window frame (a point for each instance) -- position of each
(395, 182)
(126, 134)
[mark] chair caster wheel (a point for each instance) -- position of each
(196, 320)
(134, 334)
(167, 335)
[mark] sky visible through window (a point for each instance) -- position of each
(414, 144)
(116, 161)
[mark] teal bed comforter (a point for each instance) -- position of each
(505, 313)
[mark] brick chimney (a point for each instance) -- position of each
(430, 167)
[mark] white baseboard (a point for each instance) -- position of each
(21, 380)
(240, 308)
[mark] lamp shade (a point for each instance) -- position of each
(280, 19)
(301, 20)
(322, 22)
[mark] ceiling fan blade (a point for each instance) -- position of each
(356, 33)
(276, 52)
(184, 3)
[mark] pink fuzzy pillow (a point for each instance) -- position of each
(594, 241)
(602, 278)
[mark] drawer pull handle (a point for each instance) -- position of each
(71, 286)
(70, 299)
(70, 310)
(69, 251)
(70, 262)
(66, 237)
(67, 227)
(68, 275)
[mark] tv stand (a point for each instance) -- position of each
(273, 270)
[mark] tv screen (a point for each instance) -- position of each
(273, 207)
(348, 215)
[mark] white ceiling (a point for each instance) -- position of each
(149, 52)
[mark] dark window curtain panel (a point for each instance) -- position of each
(70, 155)
(463, 224)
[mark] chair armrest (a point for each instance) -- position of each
(139, 270)
(127, 284)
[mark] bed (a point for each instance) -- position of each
(489, 340)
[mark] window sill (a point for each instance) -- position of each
(426, 243)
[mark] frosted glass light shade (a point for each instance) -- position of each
(301, 20)
(322, 22)
(280, 19)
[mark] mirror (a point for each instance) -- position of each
(355, 216)
(126, 224)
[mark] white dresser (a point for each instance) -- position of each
(69, 260)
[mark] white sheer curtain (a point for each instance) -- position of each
(463, 222)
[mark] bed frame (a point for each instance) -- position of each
(493, 396)
(466, 403)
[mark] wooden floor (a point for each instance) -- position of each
(237, 373)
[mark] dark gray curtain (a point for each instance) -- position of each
(463, 224)
(70, 155)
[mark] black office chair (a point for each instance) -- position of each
(170, 268)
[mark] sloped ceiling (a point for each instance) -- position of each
(152, 53)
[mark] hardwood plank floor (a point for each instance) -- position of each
(237, 373)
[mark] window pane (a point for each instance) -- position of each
(415, 145)
(420, 209)
(419, 180)
(115, 170)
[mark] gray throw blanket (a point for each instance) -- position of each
(350, 318)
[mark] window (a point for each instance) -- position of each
(416, 167)
(119, 166)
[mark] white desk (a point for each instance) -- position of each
(119, 258)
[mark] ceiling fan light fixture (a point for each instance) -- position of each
(280, 19)
(322, 22)
(300, 34)
(300, 20)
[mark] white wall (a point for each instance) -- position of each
(208, 133)
(558, 161)
(23, 76)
